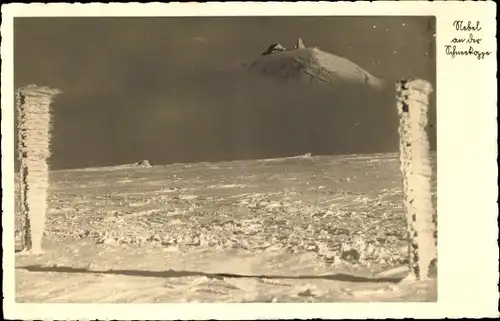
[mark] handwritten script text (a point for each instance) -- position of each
(466, 45)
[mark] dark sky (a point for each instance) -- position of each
(137, 88)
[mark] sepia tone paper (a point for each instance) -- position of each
(176, 256)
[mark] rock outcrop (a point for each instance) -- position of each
(143, 163)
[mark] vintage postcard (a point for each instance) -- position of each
(242, 160)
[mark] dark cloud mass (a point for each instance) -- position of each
(177, 89)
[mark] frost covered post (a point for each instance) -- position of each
(33, 112)
(412, 105)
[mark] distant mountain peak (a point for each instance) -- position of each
(312, 64)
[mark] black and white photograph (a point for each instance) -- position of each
(227, 158)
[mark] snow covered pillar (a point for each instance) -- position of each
(412, 106)
(33, 112)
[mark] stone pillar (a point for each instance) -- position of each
(412, 106)
(33, 107)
